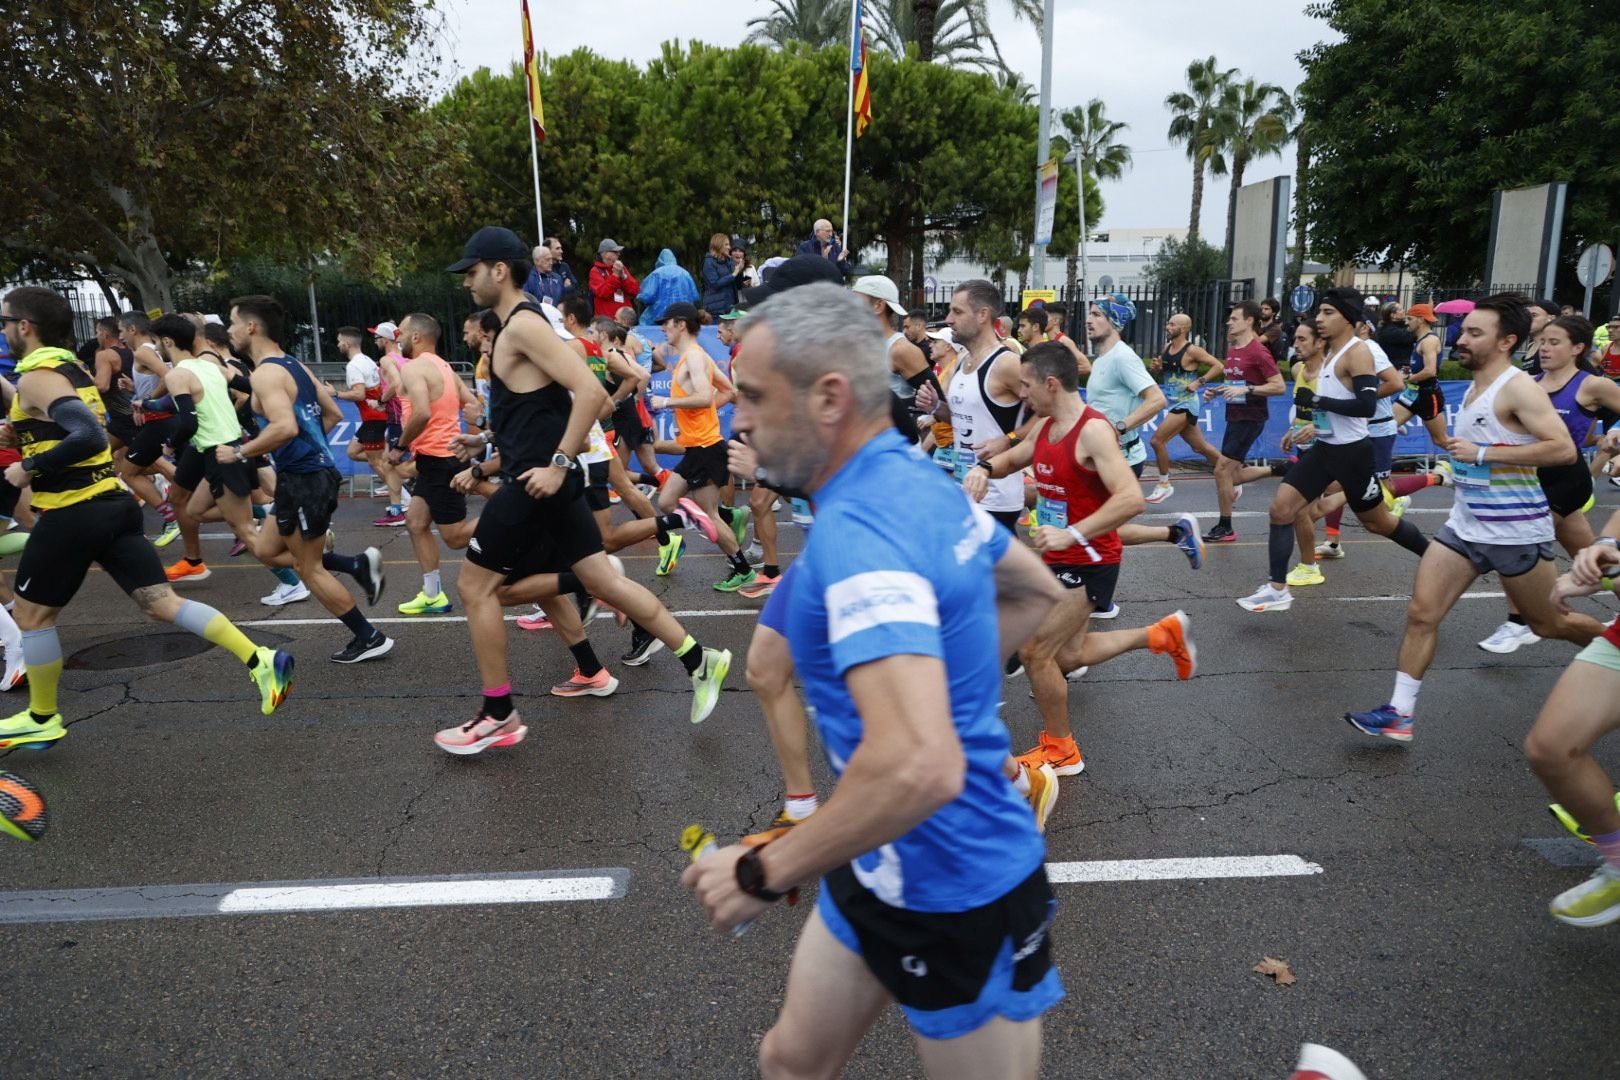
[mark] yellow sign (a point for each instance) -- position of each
(1032, 296)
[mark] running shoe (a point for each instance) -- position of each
(1043, 792)
(740, 517)
(390, 520)
(1220, 534)
(1401, 505)
(1111, 613)
(1267, 599)
(587, 606)
(1615, 481)
(614, 498)
(763, 585)
(1442, 471)
(331, 542)
(1237, 493)
(1509, 637)
(186, 570)
(1161, 491)
(1594, 902)
(13, 678)
(1567, 820)
(736, 581)
(642, 647)
(599, 685)
(370, 575)
(698, 519)
(424, 604)
(480, 733)
(21, 730)
(1191, 543)
(1074, 676)
(22, 809)
(357, 650)
(1063, 755)
(1384, 721)
(286, 594)
(1014, 667)
(803, 516)
(707, 681)
(1304, 574)
(273, 675)
(780, 824)
(754, 553)
(1171, 635)
(170, 533)
(669, 555)
(1329, 550)
(236, 549)
(534, 620)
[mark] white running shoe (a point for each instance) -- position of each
(1111, 613)
(754, 553)
(15, 673)
(1237, 493)
(1161, 491)
(1329, 550)
(1509, 637)
(1442, 470)
(286, 594)
(1267, 599)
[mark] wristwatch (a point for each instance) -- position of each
(28, 465)
(751, 877)
(1119, 426)
(561, 460)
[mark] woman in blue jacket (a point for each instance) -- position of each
(722, 275)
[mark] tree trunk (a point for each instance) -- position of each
(1239, 163)
(1197, 202)
(1073, 283)
(1302, 166)
(919, 255)
(150, 273)
(926, 11)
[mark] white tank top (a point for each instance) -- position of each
(902, 389)
(1496, 504)
(974, 418)
(1330, 426)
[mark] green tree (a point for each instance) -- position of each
(1096, 138)
(960, 35)
(1195, 114)
(1253, 122)
(1186, 262)
(1471, 98)
(179, 135)
(817, 23)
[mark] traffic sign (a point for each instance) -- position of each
(1302, 298)
(1593, 269)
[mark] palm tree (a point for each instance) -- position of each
(1095, 138)
(818, 22)
(953, 32)
(1254, 122)
(1194, 113)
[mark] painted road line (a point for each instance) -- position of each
(1230, 866)
(734, 613)
(1403, 599)
(281, 897)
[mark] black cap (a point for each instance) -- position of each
(490, 244)
(803, 269)
(683, 311)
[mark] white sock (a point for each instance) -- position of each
(11, 638)
(1021, 781)
(1406, 691)
(801, 806)
(1164, 478)
(430, 583)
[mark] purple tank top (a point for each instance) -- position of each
(1575, 418)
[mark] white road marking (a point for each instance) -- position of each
(1229, 866)
(414, 894)
(751, 612)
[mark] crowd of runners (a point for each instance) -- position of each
(1022, 497)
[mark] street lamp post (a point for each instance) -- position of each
(1044, 139)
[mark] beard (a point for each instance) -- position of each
(1466, 358)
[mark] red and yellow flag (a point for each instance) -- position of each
(531, 76)
(857, 64)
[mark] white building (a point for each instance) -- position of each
(1122, 255)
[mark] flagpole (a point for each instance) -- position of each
(849, 120)
(534, 158)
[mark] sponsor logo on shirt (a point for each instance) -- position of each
(879, 598)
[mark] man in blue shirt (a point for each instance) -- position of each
(934, 890)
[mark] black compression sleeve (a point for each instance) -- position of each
(241, 384)
(186, 418)
(84, 435)
(1364, 404)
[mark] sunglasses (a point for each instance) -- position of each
(10, 318)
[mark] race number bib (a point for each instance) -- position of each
(1053, 512)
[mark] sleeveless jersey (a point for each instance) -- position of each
(305, 452)
(116, 400)
(148, 385)
(528, 426)
(1066, 493)
(693, 427)
(1382, 424)
(1177, 379)
(1496, 504)
(1305, 395)
(444, 413)
(82, 480)
(1576, 418)
(1416, 362)
(216, 414)
(975, 418)
(898, 386)
(1331, 427)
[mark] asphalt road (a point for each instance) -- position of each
(1423, 947)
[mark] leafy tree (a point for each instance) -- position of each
(1195, 112)
(179, 134)
(961, 31)
(817, 23)
(1190, 261)
(1471, 97)
(1253, 122)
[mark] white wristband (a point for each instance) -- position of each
(1479, 458)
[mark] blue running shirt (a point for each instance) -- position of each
(306, 452)
(902, 563)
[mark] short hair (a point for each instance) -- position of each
(691, 323)
(488, 321)
(472, 317)
(1036, 318)
(109, 324)
(981, 294)
(1250, 309)
(1580, 331)
(178, 328)
(48, 310)
(609, 329)
(823, 328)
(516, 269)
(576, 305)
(264, 310)
(136, 321)
(1548, 306)
(1386, 312)
(424, 324)
(354, 334)
(1051, 360)
(1273, 303)
(918, 314)
(1309, 324)
(215, 334)
(1512, 315)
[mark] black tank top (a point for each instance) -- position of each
(528, 427)
(116, 400)
(1167, 360)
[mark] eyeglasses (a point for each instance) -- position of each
(10, 318)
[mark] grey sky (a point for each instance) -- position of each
(1130, 55)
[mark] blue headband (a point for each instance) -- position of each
(1117, 308)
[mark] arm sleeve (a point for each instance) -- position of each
(185, 418)
(241, 384)
(1364, 404)
(85, 436)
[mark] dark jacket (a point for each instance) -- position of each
(721, 280)
(836, 256)
(547, 286)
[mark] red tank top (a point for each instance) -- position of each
(1067, 493)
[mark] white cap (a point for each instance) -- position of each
(881, 288)
(213, 320)
(386, 330)
(554, 317)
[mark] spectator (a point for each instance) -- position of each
(751, 278)
(722, 275)
(545, 284)
(1271, 331)
(828, 246)
(612, 284)
(1528, 355)
(569, 278)
(1395, 337)
(669, 283)
(915, 327)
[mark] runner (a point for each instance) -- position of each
(981, 402)
(932, 864)
(908, 365)
(85, 516)
(1424, 397)
(538, 516)
(385, 336)
(1301, 430)
(298, 412)
(1086, 491)
(153, 427)
(1184, 369)
(1251, 377)
(363, 379)
(1507, 428)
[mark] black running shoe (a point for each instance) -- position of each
(370, 575)
(358, 650)
(642, 647)
(1220, 534)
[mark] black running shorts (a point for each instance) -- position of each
(1567, 487)
(306, 502)
(106, 531)
(1098, 581)
(516, 531)
(150, 438)
(1351, 464)
(446, 505)
(1239, 437)
(598, 492)
(702, 465)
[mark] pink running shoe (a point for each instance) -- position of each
(534, 620)
(599, 685)
(480, 733)
(390, 521)
(695, 514)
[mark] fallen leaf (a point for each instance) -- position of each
(1277, 969)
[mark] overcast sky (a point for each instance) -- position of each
(1130, 55)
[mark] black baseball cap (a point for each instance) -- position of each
(490, 244)
(683, 311)
(802, 269)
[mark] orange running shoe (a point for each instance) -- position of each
(1170, 635)
(1062, 754)
(186, 570)
(1043, 793)
(599, 685)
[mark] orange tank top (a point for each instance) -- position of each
(694, 427)
(444, 415)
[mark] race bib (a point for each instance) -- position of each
(1053, 512)
(1324, 422)
(945, 458)
(618, 297)
(1408, 396)
(962, 464)
(1468, 474)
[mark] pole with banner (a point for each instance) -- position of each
(537, 116)
(860, 110)
(1046, 204)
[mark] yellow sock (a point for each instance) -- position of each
(222, 632)
(42, 682)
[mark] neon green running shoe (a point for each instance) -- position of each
(669, 555)
(736, 581)
(1567, 820)
(426, 605)
(273, 675)
(1305, 574)
(22, 730)
(706, 682)
(1591, 501)
(1594, 902)
(740, 517)
(170, 533)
